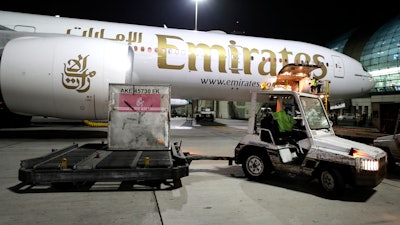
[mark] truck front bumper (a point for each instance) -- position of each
(364, 178)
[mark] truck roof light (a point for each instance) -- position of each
(357, 153)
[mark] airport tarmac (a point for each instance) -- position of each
(213, 193)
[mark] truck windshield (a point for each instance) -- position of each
(315, 114)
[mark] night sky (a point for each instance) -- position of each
(314, 22)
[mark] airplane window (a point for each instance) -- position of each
(155, 49)
(149, 49)
(142, 49)
(135, 48)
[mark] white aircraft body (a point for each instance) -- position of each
(61, 67)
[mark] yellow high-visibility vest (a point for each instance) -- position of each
(314, 82)
(285, 121)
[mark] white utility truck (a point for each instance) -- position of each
(206, 114)
(310, 149)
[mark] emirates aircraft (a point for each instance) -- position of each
(62, 67)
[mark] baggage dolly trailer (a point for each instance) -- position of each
(84, 165)
(138, 148)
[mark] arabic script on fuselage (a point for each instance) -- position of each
(234, 57)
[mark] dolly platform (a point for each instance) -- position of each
(92, 163)
(138, 149)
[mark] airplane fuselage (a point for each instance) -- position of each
(198, 65)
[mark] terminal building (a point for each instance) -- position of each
(377, 47)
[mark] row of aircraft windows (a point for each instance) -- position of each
(182, 52)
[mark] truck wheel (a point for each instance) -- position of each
(256, 166)
(331, 181)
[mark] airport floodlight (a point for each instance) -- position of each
(196, 13)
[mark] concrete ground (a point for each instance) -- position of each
(213, 193)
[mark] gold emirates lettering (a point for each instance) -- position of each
(164, 47)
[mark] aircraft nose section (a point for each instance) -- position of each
(370, 82)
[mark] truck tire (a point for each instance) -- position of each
(331, 181)
(256, 166)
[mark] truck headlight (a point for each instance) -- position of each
(362, 160)
(369, 164)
